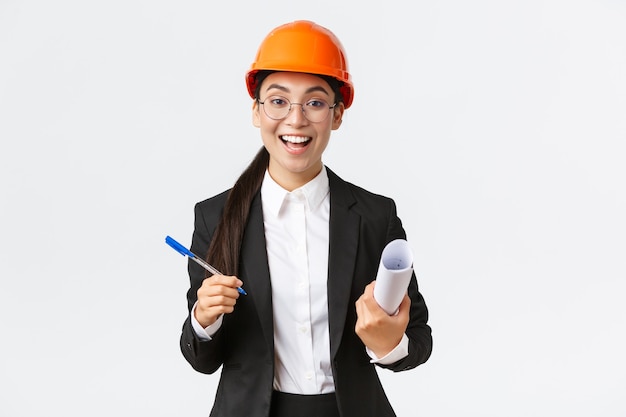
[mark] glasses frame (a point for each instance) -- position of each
(330, 108)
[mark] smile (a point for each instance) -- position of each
(295, 141)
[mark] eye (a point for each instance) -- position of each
(316, 104)
(278, 101)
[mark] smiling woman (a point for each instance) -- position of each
(307, 338)
(294, 141)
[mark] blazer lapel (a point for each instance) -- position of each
(343, 244)
(255, 269)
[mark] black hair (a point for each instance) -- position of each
(226, 243)
(334, 84)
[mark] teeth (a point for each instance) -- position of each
(295, 139)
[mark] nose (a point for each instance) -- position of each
(295, 117)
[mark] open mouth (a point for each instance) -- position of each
(295, 142)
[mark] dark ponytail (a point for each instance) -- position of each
(226, 243)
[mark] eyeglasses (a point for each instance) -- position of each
(277, 108)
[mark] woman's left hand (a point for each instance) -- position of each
(379, 331)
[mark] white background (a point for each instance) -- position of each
(498, 127)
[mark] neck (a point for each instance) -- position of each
(292, 180)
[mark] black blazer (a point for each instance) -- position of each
(361, 224)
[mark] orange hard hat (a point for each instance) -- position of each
(303, 46)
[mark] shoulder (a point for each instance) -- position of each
(216, 201)
(377, 213)
(350, 193)
(211, 209)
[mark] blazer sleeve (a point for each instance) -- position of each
(204, 356)
(418, 331)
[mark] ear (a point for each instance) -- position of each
(338, 115)
(256, 117)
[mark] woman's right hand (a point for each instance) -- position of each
(217, 295)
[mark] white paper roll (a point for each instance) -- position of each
(394, 274)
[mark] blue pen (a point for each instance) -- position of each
(184, 251)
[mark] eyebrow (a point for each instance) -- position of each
(308, 91)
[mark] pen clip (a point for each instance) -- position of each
(178, 247)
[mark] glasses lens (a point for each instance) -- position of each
(316, 110)
(278, 108)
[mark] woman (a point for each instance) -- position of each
(306, 246)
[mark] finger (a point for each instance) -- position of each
(219, 284)
(359, 307)
(225, 280)
(362, 312)
(369, 288)
(208, 316)
(406, 302)
(211, 307)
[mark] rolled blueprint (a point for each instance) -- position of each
(394, 274)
